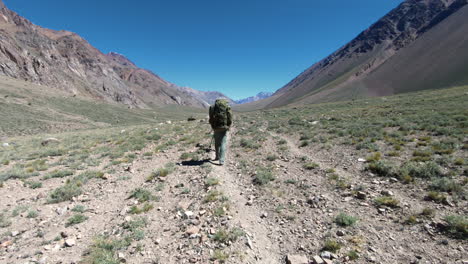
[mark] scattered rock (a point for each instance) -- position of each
(249, 242)
(296, 259)
(325, 255)
(317, 260)
(361, 160)
(70, 242)
(188, 214)
(361, 195)
(387, 193)
(264, 215)
(192, 230)
(15, 233)
(340, 233)
(6, 244)
(5, 144)
(122, 257)
(61, 210)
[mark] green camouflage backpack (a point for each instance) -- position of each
(220, 114)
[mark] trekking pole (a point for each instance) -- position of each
(211, 143)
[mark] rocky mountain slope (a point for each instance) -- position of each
(421, 44)
(259, 96)
(65, 60)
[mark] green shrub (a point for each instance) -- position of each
(104, 250)
(427, 212)
(310, 166)
(142, 195)
(387, 201)
(32, 214)
(76, 219)
(224, 236)
(33, 184)
(459, 161)
(353, 255)
(425, 170)
(65, 192)
(263, 177)
(381, 168)
(436, 197)
(212, 196)
(220, 256)
(343, 219)
(457, 226)
(282, 142)
(271, 157)
(137, 210)
(249, 144)
(445, 185)
(331, 245)
(79, 209)
(211, 182)
(411, 220)
(58, 174)
(374, 157)
(4, 221)
(148, 154)
(19, 209)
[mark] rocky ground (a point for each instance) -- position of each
(151, 194)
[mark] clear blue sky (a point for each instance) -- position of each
(238, 47)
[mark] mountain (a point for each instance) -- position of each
(259, 96)
(65, 60)
(208, 97)
(421, 44)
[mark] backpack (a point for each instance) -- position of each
(220, 114)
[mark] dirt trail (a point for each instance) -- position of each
(248, 218)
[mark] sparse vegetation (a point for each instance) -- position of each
(139, 210)
(343, 219)
(353, 255)
(211, 181)
(387, 201)
(263, 177)
(220, 256)
(79, 209)
(58, 174)
(457, 226)
(436, 197)
(72, 188)
(76, 219)
(310, 166)
(224, 236)
(142, 195)
(4, 220)
(331, 245)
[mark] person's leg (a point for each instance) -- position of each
(223, 147)
(217, 140)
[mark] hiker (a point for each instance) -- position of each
(220, 121)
